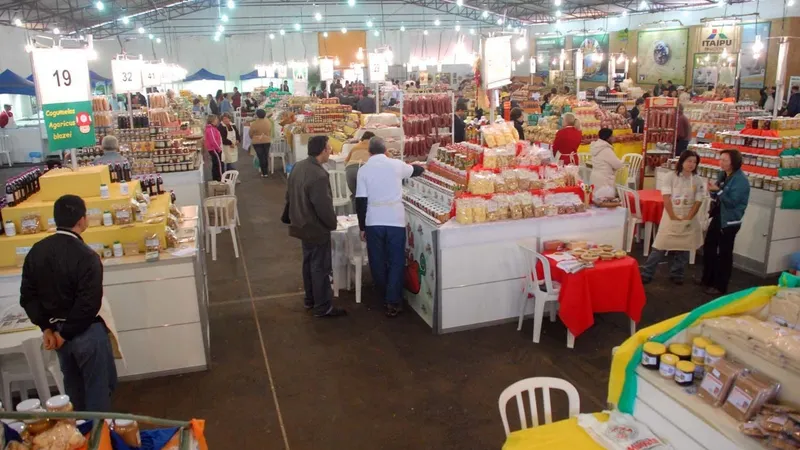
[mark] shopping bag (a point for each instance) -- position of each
(256, 162)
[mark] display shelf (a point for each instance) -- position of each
(708, 426)
(85, 182)
(746, 149)
(749, 169)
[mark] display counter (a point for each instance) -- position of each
(467, 276)
(768, 236)
(159, 308)
(188, 186)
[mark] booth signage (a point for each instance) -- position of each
(326, 69)
(62, 87)
(377, 67)
(716, 39)
(152, 74)
(127, 75)
(496, 62)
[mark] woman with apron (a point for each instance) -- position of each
(680, 231)
(230, 142)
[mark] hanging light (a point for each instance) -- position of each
(297, 27)
(558, 13)
(231, 4)
(625, 13)
(485, 14)
(272, 35)
(758, 46)
(472, 31)
(643, 5)
(521, 44)
(351, 3)
(634, 60)
(216, 37)
(369, 24)
(317, 16)
(56, 30)
(219, 28)
(224, 18)
(344, 30)
(158, 40)
(460, 2)
(325, 34)
(18, 22)
(125, 20)
(557, 2)
(425, 32)
(437, 22)
(99, 5)
(499, 20)
(150, 36)
(402, 28)
(458, 27)
(282, 32)
(336, 61)
(376, 33)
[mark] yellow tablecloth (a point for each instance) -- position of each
(566, 434)
(620, 148)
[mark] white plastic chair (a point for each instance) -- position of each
(339, 189)
(630, 201)
(15, 372)
(223, 218)
(6, 146)
(634, 163)
(278, 149)
(541, 297)
(231, 177)
(530, 385)
(356, 257)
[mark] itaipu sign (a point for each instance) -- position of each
(717, 39)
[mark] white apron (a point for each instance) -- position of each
(682, 235)
(230, 153)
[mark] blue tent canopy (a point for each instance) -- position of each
(94, 78)
(11, 83)
(250, 76)
(203, 74)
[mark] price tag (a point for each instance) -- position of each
(62, 76)
(127, 75)
(152, 74)
(326, 69)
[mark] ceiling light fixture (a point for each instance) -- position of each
(344, 30)
(158, 40)
(376, 33)
(318, 17)
(402, 28)
(625, 13)
(472, 31)
(18, 22)
(437, 22)
(458, 27)
(325, 34)
(643, 5)
(500, 21)
(56, 31)
(283, 32)
(634, 60)
(141, 30)
(216, 37)
(485, 14)
(126, 20)
(790, 3)
(351, 3)
(557, 2)
(231, 4)
(220, 28)
(558, 13)
(369, 24)
(297, 27)
(224, 18)
(99, 5)
(460, 2)
(150, 36)
(272, 35)
(425, 32)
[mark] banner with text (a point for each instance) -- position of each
(547, 52)
(69, 125)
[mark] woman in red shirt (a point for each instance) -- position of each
(567, 140)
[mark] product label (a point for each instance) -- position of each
(22, 251)
(711, 360)
(698, 353)
(712, 385)
(667, 371)
(30, 224)
(740, 399)
(123, 188)
(683, 377)
(123, 215)
(779, 420)
(9, 199)
(649, 360)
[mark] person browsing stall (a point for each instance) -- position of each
(230, 142)
(605, 165)
(459, 127)
(684, 132)
(382, 220)
(213, 144)
(261, 136)
(679, 232)
(517, 117)
(358, 155)
(730, 193)
(6, 117)
(567, 139)
(62, 293)
(311, 218)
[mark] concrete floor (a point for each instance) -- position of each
(282, 379)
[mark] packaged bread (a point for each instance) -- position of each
(30, 224)
(503, 207)
(749, 326)
(523, 179)
(718, 380)
(784, 309)
(788, 346)
(749, 392)
(122, 214)
(172, 238)
(526, 200)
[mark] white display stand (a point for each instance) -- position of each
(188, 186)
(474, 275)
(769, 234)
(159, 308)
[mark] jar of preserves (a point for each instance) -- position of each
(651, 353)
(684, 373)
(59, 403)
(699, 345)
(667, 365)
(128, 430)
(33, 426)
(713, 354)
(682, 351)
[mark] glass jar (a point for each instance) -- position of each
(699, 345)
(682, 351)
(667, 365)
(713, 354)
(128, 430)
(33, 426)
(651, 352)
(59, 403)
(684, 373)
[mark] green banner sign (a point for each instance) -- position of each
(69, 125)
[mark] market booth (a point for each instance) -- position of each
(204, 81)
(723, 376)
(27, 137)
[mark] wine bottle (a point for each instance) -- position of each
(159, 185)
(10, 198)
(111, 173)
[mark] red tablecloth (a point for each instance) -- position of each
(652, 201)
(609, 286)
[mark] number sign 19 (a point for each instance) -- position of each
(127, 75)
(62, 75)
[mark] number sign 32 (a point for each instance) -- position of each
(127, 75)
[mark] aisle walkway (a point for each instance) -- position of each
(365, 381)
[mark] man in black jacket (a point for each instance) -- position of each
(62, 291)
(459, 127)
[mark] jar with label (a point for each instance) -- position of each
(9, 228)
(682, 351)
(117, 249)
(104, 193)
(759, 182)
(713, 354)
(699, 345)
(108, 219)
(684, 373)
(107, 253)
(123, 188)
(33, 426)
(128, 430)
(667, 365)
(651, 352)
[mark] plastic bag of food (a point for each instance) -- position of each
(526, 200)
(718, 381)
(62, 436)
(503, 207)
(464, 211)
(511, 180)
(481, 183)
(30, 224)
(479, 211)
(122, 214)
(749, 392)
(621, 432)
(515, 207)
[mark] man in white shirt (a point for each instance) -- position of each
(382, 219)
